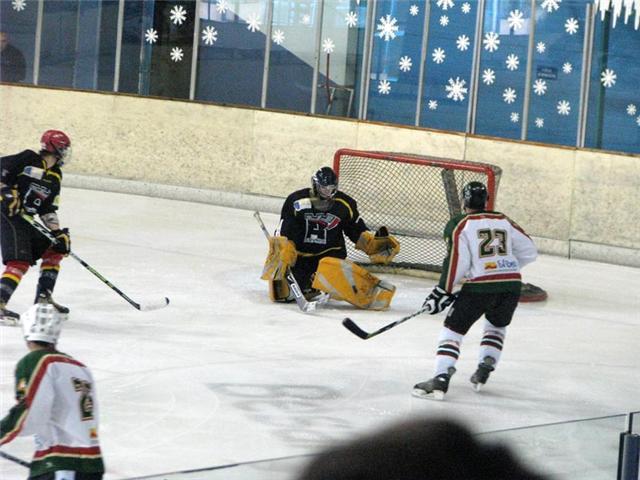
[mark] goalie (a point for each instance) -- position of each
(310, 242)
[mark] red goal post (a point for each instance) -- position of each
(414, 196)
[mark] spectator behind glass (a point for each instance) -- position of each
(12, 65)
(421, 449)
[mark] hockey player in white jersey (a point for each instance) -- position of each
(56, 402)
(486, 250)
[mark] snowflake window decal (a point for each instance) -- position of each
(631, 109)
(278, 37)
(540, 87)
(539, 122)
(176, 54)
(564, 107)
(351, 19)
(222, 6)
(541, 47)
(515, 117)
(254, 22)
(438, 55)
(509, 95)
(151, 36)
(18, 5)
(387, 28)
(444, 20)
(306, 19)
(456, 89)
(209, 35)
(571, 26)
(488, 76)
(384, 87)
(567, 68)
(328, 46)
(512, 62)
(445, 4)
(414, 10)
(433, 104)
(462, 43)
(491, 41)
(551, 5)
(515, 19)
(608, 78)
(466, 7)
(178, 15)
(405, 63)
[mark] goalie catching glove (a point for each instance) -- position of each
(282, 255)
(381, 247)
(438, 300)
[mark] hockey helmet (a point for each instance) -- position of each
(475, 195)
(42, 323)
(324, 183)
(58, 143)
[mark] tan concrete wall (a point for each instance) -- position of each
(574, 200)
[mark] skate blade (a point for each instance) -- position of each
(435, 395)
(477, 386)
(9, 321)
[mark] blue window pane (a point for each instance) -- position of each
(18, 23)
(503, 68)
(614, 98)
(231, 52)
(341, 52)
(157, 46)
(557, 66)
(292, 56)
(447, 76)
(59, 39)
(395, 61)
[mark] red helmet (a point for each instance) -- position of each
(56, 142)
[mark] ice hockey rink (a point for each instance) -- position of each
(223, 376)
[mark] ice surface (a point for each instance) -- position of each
(222, 375)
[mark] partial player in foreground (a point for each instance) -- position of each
(56, 402)
(30, 183)
(311, 244)
(487, 250)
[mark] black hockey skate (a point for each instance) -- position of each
(481, 375)
(8, 317)
(45, 297)
(434, 388)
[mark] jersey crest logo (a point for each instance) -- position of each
(318, 224)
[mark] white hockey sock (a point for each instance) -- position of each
(492, 342)
(448, 350)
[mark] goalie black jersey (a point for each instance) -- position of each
(320, 232)
(38, 186)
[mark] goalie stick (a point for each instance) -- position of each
(140, 306)
(305, 305)
(17, 460)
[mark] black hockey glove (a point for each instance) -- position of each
(63, 241)
(10, 201)
(438, 300)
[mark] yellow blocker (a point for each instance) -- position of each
(345, 280)
(282, 255)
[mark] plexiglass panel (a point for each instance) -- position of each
(17, 40)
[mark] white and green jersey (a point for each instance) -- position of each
(486, 250)
(56, 402)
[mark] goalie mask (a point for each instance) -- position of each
(42, 323)
(475, 195)
(58, 143)
(324, 183)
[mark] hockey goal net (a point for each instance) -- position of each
(414, 196)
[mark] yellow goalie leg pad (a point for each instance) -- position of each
(345, 280)
(379, 249)
(279, 291)
(282, 255)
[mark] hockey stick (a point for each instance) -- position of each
(15, 459)
(302, 302)
(356, 330)
(140, 306)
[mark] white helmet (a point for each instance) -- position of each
(42, 323)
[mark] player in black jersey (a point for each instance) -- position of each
(311, 243)
(30, 183)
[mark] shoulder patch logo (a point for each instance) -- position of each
(302, 204)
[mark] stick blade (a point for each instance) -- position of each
(154, 305)
(355, 329)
